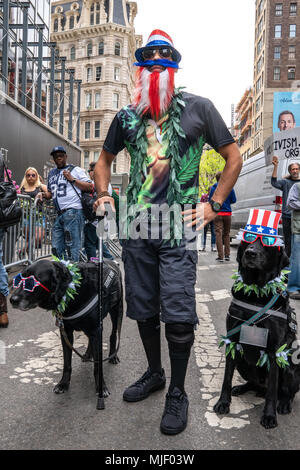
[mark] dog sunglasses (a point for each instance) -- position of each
(29, 283)
(266, 240)
(164, 52)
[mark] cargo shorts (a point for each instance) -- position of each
(160, 279)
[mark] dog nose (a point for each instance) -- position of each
(14, 300)
(250, 252)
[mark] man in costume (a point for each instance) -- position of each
(164, 131)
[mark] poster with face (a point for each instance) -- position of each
(286, 110)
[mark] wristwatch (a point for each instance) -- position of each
(73, 181)
(216, 206)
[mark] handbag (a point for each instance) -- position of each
(10, 207)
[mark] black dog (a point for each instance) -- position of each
(55, 278)
(258, 265)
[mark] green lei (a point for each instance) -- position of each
(181, 169)
(272, 287)
(71, 289)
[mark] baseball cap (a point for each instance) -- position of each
(58, 148)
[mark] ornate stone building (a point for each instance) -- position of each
(98, 40)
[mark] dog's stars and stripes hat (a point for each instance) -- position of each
(158, 38)
(263, 222)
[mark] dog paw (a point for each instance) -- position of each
(268, 422)
(222, 407)
(61, 388)
(284, 407)
(114, 360)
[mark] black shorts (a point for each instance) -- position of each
(160, 278)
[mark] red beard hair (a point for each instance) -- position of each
(153, 91)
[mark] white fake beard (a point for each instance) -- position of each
(165, 92)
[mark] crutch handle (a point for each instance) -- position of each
(99, 211)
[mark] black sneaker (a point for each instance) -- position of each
(148, 383)
(227, 258)
(220, 260)
(174, 419)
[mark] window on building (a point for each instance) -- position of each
(117, 73)
(277, 31)
(97, 100)
(73, 53)
(97, 13)
(86, 159)
(292, 31)
(260, 27)
(259, 64)
(259, 46)
(291, 73)
(96, 155)
(257, 124)
(71, 22)
(114, 166)
(260, 7)
(293, 9)
(276, 73)
(89, 49)
(257, 105)
(97, 129)
(55, 25)
(87, 129)
(277, 52)
(63, 23)
(92, 14)
(116, 100)
(98, 72)
(89, 74)
(88, 100)
(292, 52)
(258, 84)
(117, 48)
(278, 9)
(101, 48)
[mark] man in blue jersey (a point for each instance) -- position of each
(65, 183)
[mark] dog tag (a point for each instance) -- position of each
(254, 336)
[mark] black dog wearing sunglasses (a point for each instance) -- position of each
(44, 284)
(264, 372)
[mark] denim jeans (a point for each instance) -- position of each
(3, 274)
(91, 242)
(294, 275)
(67, 234)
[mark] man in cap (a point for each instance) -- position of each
(164, 131)
(65, 183)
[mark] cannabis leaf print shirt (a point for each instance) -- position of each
(201, 123)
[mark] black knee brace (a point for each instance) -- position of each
(180, 333)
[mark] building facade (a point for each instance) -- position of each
(243, 123)
(98, 40)
(276, 61)
(26, 133)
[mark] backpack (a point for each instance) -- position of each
(10, 207)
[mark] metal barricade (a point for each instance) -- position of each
(30, 239)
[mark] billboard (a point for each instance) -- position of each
(286, 110)
(283, 144)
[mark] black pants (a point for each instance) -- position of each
(286, 227)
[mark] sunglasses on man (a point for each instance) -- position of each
(29, 283)
(266, 240)
(164, 52)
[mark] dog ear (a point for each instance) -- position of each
(283, 259)
(61, 278)
(240, 252)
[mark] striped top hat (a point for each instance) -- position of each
(263, 222)
(158, 38)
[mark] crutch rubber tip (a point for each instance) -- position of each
(100, 403)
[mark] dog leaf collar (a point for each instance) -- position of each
(71, 289)
(272, 287)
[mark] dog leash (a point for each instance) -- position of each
(254, 318)
(60, 324)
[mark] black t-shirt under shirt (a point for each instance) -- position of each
(199, 119)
